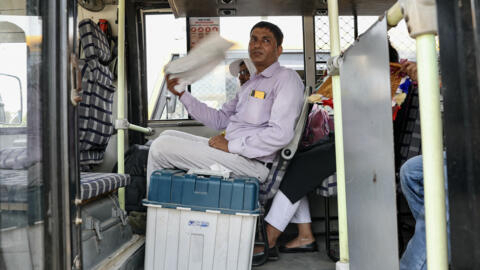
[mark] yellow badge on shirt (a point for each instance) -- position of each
(258, 94)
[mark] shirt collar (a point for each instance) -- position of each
(268, 72)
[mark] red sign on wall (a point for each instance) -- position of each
(201, 27)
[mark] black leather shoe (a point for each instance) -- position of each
(259, 258)
(312, 247)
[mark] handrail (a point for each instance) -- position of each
(339, 150)
(421, 19)
(394, 15)
(432, 151)
(121, 97)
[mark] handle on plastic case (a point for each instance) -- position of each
(225, 175)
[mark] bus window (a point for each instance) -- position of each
(165, 37)
(21, 185)
(399, 38)
(13, 97)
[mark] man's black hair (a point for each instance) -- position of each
(277, 33)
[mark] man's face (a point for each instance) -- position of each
(244, 74)
(262, 48)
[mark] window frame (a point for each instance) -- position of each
(163, 122)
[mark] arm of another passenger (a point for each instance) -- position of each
(410, 68)
(280, 129)
(216, 119)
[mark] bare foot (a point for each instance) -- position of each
(297, 242)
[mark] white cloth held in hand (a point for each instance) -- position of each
(199, 61)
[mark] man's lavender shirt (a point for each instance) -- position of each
(256, 128)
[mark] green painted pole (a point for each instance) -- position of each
(121, 96)
(339, 152)
(432, 150)
(139, 129)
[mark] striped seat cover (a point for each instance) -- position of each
(15, 187)
(95, 111)
(329, 186)
(94, 42)
(94, 184)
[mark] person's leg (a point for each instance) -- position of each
(411, 180)
(185, 135)
(280, 214)
(304, 223)
(175, 149)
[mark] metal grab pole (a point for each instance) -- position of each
(339, 154)
(139, 129)
(432, 150)
(121, 96)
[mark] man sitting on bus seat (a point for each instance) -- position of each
(242, 68)
(259, 121)
(284, 211)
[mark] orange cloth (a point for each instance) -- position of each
(395, 78)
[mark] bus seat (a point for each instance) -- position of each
(269, 188)
(95, 109)
(94, 42)
(95, 184)
(15, 186)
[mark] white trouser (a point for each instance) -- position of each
(175, 149)
(283, 212)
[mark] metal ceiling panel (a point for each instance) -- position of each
(212, 8)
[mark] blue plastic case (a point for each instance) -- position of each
(174, 188)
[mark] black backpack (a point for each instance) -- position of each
(136, 166)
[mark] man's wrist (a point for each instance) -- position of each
(179, 95)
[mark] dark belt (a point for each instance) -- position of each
(266, 164)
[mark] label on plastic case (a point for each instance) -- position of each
(198, 223)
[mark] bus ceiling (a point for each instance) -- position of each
(213, 8)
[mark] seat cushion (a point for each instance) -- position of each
(95, 184)
(15, 186)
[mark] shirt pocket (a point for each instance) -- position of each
(257, 111)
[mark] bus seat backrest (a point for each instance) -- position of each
(269, 188)
(95, 110)
(94, 42)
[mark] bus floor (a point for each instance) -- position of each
(305, 261)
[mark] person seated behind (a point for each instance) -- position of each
(242, 68)
(259, 121)
(411, 180)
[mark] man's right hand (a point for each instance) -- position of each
(171, 83)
